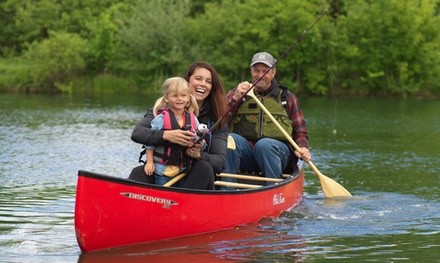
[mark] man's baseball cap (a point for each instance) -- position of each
(263, 57)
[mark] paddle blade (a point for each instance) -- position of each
(231, 143)
(331, 188)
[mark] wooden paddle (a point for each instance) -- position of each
(174, 180)
(231, 143)
(330, 187)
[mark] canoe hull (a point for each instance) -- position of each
(112, 212)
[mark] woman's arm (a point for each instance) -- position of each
(143, 133)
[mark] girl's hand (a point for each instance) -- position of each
(149, 169)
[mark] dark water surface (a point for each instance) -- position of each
(385, 152)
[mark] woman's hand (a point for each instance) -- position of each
(181, 137)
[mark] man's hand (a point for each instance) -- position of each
(304, 154)
(241, 89)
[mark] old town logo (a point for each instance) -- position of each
(166, 203)
(278, 199)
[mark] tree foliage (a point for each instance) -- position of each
(384, 47)
(54, 59)
(153, 37)
(394, 46)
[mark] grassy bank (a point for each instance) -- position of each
(18, 76)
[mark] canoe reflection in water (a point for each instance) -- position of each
(250, 243)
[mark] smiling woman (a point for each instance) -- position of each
(207, 88)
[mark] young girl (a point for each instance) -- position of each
(176, 109)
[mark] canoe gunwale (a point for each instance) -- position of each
(126, 181)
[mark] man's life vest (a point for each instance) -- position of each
(170, 153)
(252, 123)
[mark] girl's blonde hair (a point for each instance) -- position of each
(176, 85)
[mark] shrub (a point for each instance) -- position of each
(53, 60)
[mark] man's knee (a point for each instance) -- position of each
(238, 139)
(265, 145)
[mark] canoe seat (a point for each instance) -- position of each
(251, 177)
(236, 185)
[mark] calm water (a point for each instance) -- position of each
(385, 152)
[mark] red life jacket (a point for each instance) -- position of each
(171, 153)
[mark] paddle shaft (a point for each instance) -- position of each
(277, 124)
(330, 187)
(174, 180)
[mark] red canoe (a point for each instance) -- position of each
(113, 212)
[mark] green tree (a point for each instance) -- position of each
(230, 32)
(154, 38)
(54, 60)
(390, 47)
(360, 47)
(27, 21)
(103, 40)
